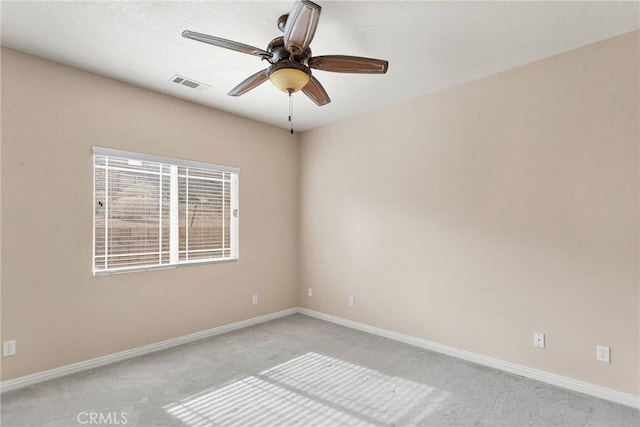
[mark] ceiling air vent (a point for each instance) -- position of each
(189, 82)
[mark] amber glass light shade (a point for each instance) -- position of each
(289, 79)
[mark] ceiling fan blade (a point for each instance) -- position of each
(227, 44)
(316, 92)
(301, 26)
(349, 64)
(249, 83)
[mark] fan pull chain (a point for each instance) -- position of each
(291, 109)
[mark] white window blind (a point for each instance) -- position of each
(152, 211)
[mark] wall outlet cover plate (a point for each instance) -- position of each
(538, 339)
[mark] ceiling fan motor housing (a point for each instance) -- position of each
(288, 72)
(276, 47)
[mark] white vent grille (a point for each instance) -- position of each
(190, 83)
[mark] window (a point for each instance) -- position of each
(152, 211)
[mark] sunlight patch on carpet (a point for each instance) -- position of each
(312, 389)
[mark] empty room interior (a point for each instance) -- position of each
(328, 213)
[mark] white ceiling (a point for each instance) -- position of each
(429, 45)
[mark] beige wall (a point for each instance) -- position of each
(54, 307)
(475, 216)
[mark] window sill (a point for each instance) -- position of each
(161, 267)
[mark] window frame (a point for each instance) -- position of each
(234, 226)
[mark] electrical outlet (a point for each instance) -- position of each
(310, 292)
(352, 301)
(602, 353)
(538, 339)
(254, 299)
(9, 348)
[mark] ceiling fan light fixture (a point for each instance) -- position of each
(289, 79)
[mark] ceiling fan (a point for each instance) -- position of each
(290, 56)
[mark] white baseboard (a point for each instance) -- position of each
(138, 351)
(536, 374)
(546, 377)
